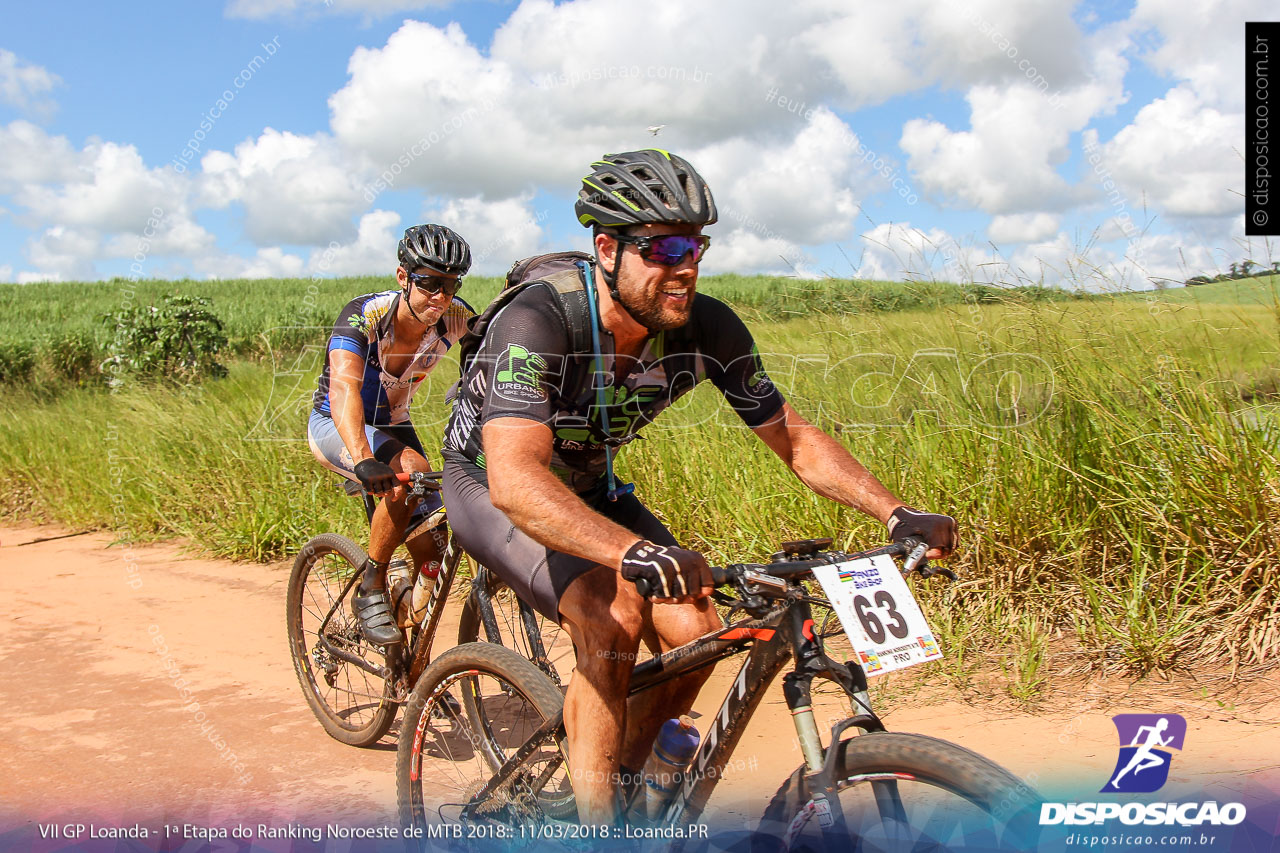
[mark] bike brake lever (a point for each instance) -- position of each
(916, 562)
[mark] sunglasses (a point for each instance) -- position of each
(669, 249)
(435, 283)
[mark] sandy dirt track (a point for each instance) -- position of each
(94, 726)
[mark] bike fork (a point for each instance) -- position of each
(811, 659)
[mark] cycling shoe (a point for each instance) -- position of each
(377, 623)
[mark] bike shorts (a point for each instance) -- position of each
(386, 442)
(536, 573)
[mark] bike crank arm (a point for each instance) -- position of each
(354, 660)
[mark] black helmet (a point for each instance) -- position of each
(434, 246)
(637, 187)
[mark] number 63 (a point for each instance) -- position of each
(866, 612)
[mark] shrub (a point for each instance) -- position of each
(179, 339)
(17, 362)
(73, 356)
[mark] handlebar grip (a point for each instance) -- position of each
(719, 575)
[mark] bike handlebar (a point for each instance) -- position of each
(913, 548)
(426, 479)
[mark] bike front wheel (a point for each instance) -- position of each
(903, 792)
(446, 755)
(355, 705)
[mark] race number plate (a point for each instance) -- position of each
(879, 613)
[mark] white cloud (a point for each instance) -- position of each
(171, 234)
(6, 273)
(742, 250)
(35, 277)
(879, 50)
(893, 251)
(26, 86)
(113, 190)
(373, 251)
(271, 262)
(797, 190)
(294, 189)
(28, 155)
(1007, 162)
(259, 9)
(1181, 154)
(1020, 133)
(1023, 227)
(62, 253)
(498, 232)
(528, 110)
(1200, 42)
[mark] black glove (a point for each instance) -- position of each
(376, 477)
(939, 531)
(668, 572)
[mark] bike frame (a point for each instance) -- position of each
(415, 657)
(785, 631)
(482, 590)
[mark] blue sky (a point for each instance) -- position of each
(97, 102)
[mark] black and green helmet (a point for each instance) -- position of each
(637, 187)
(434, 246)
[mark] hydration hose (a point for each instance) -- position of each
(593, 312)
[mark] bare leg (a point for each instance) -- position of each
(391, 517)
(606, 617)
(676, 624)
(605, 624)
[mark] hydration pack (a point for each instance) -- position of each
(559, 270)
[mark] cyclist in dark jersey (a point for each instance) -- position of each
(527, 465)
(382, 346)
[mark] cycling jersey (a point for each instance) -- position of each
(366, 327)
(524, 366)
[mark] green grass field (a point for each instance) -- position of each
(1112, 460)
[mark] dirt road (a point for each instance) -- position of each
(95, 727)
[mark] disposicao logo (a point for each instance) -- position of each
(1141, 768)
(1145, 741)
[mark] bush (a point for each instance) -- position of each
(179, 340)
(17, 362)
(73, 356)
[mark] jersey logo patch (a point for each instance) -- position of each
(520, 374)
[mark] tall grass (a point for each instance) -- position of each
(1113, 464)
(58, 333)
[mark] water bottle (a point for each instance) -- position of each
(422, 589)
(672, 751)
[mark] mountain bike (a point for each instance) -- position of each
(500, 766)
(354, 687)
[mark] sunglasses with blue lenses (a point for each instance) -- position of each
(669, 250)
(435, 283)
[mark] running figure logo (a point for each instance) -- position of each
(1145, 741)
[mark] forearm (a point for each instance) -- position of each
(548, 511)
(830, 470)
(826, 467)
